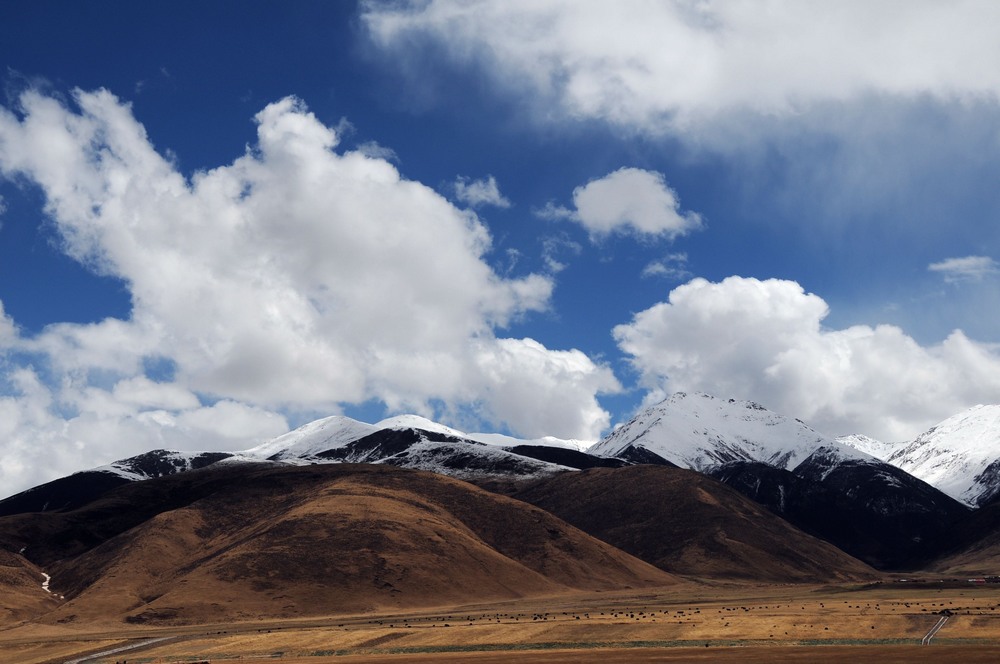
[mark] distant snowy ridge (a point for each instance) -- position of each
(699, 431)
(960, 456)
(869, 445)
(408, 441)
(500, 440)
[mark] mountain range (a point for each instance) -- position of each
(344, 515)
(960, 456)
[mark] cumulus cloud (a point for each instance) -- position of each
(296, 278)
(522, 380)
(480, 192)
(630, 201)
(764, 340)
(968, 268)
(657, 65)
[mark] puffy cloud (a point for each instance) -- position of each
(295, 278)
(656, 65)
(546, 389)
(764, 340)
(968, 268)
(632, 200)
(629, 200)
(480, 192)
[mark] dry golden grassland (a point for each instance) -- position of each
(790, 623)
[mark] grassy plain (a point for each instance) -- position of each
(883, 622)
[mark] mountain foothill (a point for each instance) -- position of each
(343, 516)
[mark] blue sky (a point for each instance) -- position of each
(220, 220)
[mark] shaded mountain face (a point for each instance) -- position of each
(686, 523)
(238, 542)
(65, 493)
(878, 514)
(972, 546)
(78, 489)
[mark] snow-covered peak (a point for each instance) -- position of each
(157, 463)
(417, 422)
(960, 456)
(869, 445)
(700, 431)
(312, 438)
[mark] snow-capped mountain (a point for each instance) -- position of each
(311, 439)
(960, 456)
(408, 441)
(699, 431)
(866, 506)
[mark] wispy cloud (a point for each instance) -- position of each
(967, 268)
(480, 192)
(671, 266)
(554, 250)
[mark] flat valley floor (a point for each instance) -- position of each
(884, 622)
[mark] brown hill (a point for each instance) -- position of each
(21, 593)
(266, 541)
(686, 523)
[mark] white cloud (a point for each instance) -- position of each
(632, 200)
(297, 277)
(657, 66)
(480, 192)
(764, 340)
(521, 379)
(41, 441)
(629, 200)
(968, 268)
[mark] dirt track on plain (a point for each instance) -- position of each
(881, 623)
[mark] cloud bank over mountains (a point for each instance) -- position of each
(766, 338)
(296, 278)
(776, 201)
